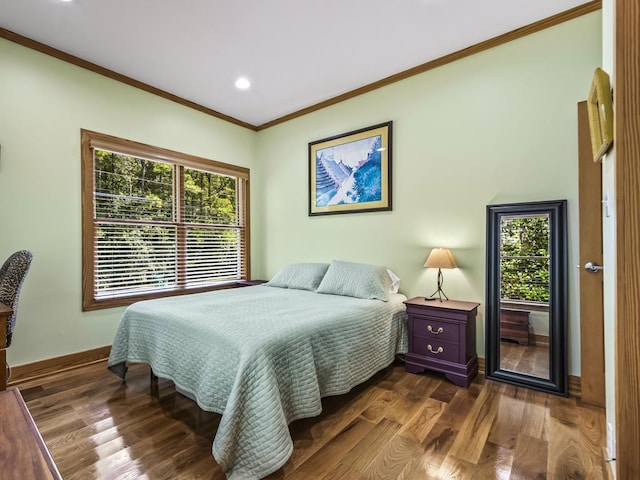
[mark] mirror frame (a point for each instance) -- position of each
(558, 310)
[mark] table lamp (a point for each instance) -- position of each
(440, 258)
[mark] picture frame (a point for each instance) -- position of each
(600, 110)
(351, 172)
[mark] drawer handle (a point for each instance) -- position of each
(439, 350)
(435, 332)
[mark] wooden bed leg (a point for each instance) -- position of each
(153, 384)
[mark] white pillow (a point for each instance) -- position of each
(395, 282)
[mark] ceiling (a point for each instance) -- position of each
(296, 53)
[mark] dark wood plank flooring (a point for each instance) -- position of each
(395, 426)
(529, 359)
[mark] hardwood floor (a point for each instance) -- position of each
(530, 359)
(397, 425)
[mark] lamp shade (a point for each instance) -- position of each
(440, 258)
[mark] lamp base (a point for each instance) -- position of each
(440, 294)
(439, 291)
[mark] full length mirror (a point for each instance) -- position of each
(526, 310)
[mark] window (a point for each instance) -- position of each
(157, 222)
(524, 259)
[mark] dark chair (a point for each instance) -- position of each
(12, 275)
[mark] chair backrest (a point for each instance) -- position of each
(12, 275)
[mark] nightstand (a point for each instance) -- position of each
(514, 325)
(442, 337)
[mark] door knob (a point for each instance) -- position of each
(592, 267)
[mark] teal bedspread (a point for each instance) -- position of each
(262, 357)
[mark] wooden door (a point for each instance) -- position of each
(591, 294)
(627, 167)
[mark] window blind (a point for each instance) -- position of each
(160, 226)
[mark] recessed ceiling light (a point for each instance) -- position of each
(243, 83)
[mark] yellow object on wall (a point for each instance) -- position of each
(600, 109)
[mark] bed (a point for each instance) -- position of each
(264, 356)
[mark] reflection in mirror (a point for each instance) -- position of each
(524, 294)
(526, 309)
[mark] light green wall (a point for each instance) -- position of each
(44, 103)
(496, 127)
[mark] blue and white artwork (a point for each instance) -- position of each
(349, 173)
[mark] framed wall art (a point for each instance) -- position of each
(351, 172)
(600, 110)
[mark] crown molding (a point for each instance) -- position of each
(452, 57)
(425, 67)
(79, 62)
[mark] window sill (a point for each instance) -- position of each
(524, 305)
(122, 301)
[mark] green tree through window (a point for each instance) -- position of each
(161, 223)
(524, 258)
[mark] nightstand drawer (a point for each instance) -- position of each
(428, 347)
(436, 330)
